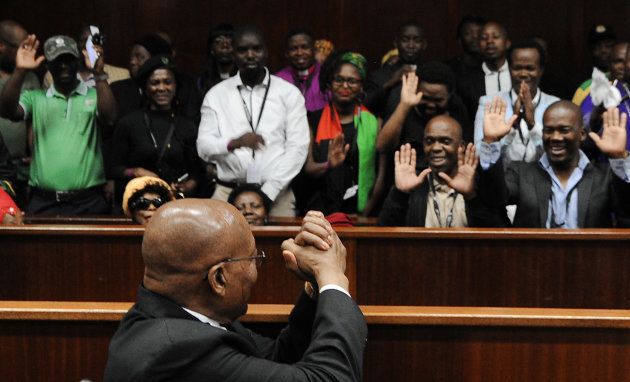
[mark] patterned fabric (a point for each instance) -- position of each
(357, 60)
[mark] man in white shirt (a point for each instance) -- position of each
(526, 61)
(254, 127)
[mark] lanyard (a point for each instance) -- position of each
(248, 114)
(567, 202)
(436, 207)
(167, 141)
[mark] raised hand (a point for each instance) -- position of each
(494, 125)
(337, 151)
(612, 143)
(405, 169)
(464, 180)
(409, 94)
(25, 57)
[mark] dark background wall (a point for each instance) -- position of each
(365, 26)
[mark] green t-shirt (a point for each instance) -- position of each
(66, 143)
(14, 133)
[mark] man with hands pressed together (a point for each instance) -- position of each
(67, 172)
(562, 189)
(442, 195)
(523, 142)
(200, 266)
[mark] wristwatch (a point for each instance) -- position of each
(101, 77)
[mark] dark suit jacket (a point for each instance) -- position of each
(158, 341)
(410, 210)
(601, 194)
(470, 88)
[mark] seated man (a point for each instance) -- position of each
(562, 189)
(67, 173)
(448, 198)
(526, 61)
(304, 69)
(200, 266)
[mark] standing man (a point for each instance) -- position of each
(15, 133)
(254, 128)
(526, 61)
(468, 37)
(67, 172)
(493, 76)
(303, 70)
(411, 43)
(200, 267)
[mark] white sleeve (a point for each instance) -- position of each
(478, 136)
(210, 142)
(297, 138)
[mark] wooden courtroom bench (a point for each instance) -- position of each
(386, 266)
(67, 341)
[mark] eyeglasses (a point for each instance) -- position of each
(351, 82)
(260, 255)
(143, 203)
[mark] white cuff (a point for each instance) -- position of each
(621, 168)
(489, 154)
(335, 287)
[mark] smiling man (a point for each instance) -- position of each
(442, 195)
(67, 171)
(254, 128)
(303, 71)
(524, 142)
(562, 189)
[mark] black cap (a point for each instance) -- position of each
(601, 32)
(153, 63)
(155, 44)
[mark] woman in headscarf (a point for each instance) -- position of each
(343, 164)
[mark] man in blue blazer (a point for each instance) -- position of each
(200, 265)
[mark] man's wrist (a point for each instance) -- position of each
(336, 278)
(100, 76)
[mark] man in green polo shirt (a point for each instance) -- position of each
(67, 169)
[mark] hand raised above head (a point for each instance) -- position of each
(494, 125)
(409, 94)
(405, 169)
(25, 57)
(612, 143)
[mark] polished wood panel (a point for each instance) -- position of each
(386, 266)
(45, 341)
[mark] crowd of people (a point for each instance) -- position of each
(484, 139)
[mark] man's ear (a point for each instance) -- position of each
(217, 279)
(508, 44)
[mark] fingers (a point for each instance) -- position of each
(305, 238)
(596, 139)
(423, 175)
(512, 119)
(346, 149)
(405, 153)
(446, 178)
(413, 159)
(460, 155)
(397, 158)
(471, 158)
(623, 120)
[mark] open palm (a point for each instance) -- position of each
(464, 179)
(494, 125)
(25, 57)
(337, 151)
(409, 94)
(612, 143)
(405, 169)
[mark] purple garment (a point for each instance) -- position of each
(624, 107)
(315, 100)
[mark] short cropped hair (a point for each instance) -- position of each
(528, 44)
(435, 72)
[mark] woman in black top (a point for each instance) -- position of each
(155, 141)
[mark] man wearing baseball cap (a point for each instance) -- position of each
(67, 172)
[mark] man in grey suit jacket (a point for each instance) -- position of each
(562, 189)
(526, 62)
(200, 265)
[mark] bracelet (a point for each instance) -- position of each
(327, 165)
(230, 146)
(101, 77)
(129, 173)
